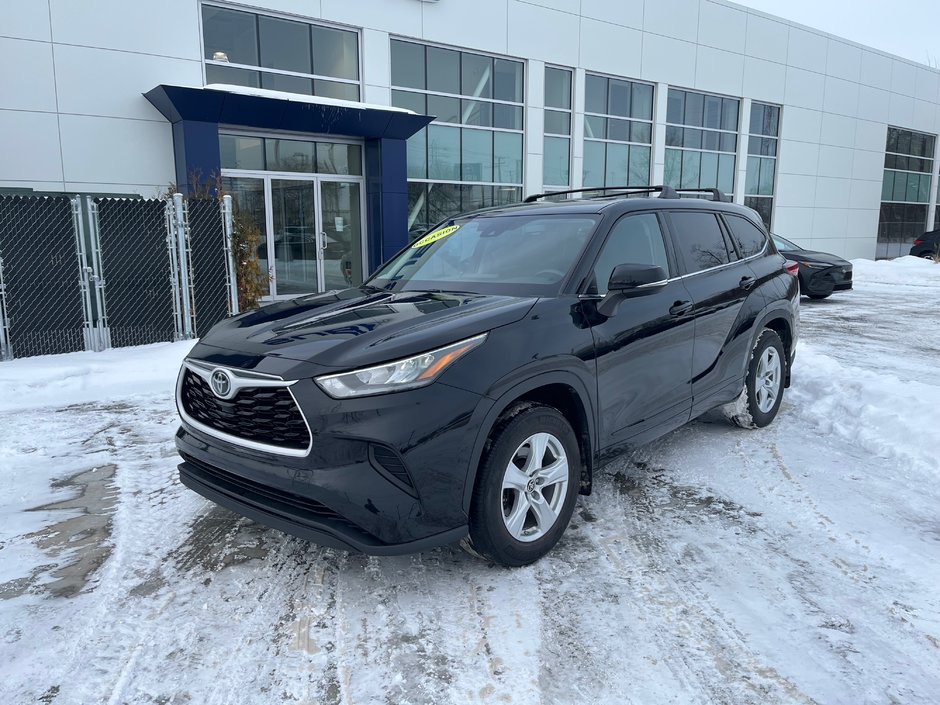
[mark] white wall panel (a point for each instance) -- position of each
(375, 14)
(868, 165)
(719, 71)
(794, 222)
(168, 29)
(628, 13)
(828, 224)
(801, 124)
(900, 110)
(807, 50)
(838, 130)
(25, 20)
(116, 150)
(925, 116)
(569, 6)
(841, 96)
(843, 60)
(376, 58)
(903, 77)
(876, 70)
(873, 104)
(863, 194)
(767, 39)
(677, 19)
(29, 143)
(668, 60)
(835, 161)
(480, 24)
(927, 86)
(611, 48)
(764, 80)
(111, 83)
(870, 135)
(798, 157)
(796, 190)
(805, 89)
(832, 192)
(722, 27)
(539, 33)
(26, 76)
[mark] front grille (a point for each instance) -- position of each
(266, 415)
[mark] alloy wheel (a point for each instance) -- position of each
(534, 487)
(767, 381)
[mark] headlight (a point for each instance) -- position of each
(395, 376)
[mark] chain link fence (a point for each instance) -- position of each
(41, 282)
(88, 274)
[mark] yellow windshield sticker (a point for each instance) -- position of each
(435, 236)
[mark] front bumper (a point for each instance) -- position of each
(825, 281)
(384, 475)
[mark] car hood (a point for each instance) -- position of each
(815, 257)
(358, 327)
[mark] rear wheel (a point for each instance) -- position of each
(526, 488)
(763, 387)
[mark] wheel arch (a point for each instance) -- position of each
(778, 321)
(561, 390)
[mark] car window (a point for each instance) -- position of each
(783, 245)
(634, 239)
(699, 240)
(747, 236)
(518, 255)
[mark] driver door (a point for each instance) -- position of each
(643, 353)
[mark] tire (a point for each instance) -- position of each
(760, 402)
(819, 297)
(510, 503)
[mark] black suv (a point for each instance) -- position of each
(471, 387)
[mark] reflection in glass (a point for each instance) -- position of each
(231, 34)
(248, 198)
(342, 232)
(555, 168)
(284, 44)
(293, 205)
(335, 53)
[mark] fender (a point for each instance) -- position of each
(781, 310)
(504, 395)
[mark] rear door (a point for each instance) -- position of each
(718, 282)
(644, 351)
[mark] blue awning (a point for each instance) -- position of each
(273, 110)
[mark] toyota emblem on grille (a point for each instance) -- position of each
(221, 383)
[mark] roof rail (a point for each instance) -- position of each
(715, 193)
(664, 192)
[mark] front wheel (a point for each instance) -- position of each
(763, 386)
(526, 487)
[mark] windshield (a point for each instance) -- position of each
(517, 255)
(783, 244)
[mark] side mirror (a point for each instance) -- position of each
(631, 280)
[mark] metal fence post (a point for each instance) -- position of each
(169, 217)
(229, 228)
(5, 352)
(84, 276)
(185, 271)
(102, 333)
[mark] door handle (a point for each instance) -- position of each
(323, 240)
(747, 283)
(680, 307)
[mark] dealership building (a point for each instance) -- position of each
(353, 125)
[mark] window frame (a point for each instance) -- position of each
(570, 136)
(733, 254)
(726, 222)
(282, 72)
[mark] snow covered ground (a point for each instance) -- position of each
(798, 564)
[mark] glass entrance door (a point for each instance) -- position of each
(312, 229)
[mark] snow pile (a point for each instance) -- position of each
(874, 410)
(86, 377)
(914, 271)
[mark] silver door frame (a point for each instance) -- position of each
(267, 177)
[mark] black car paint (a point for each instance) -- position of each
(612, 369)
(927, 245)
(821, 273)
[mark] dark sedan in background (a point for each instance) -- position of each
(820, 272)
(927, 245)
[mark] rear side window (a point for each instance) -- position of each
(699, 240)
(634, 239)
(747, 236)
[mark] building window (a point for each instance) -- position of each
(762, 147)
(471, 155)
(618, 131)
(277, 154)
(905, 190)
(556, 165)
(701, 140)
(247, 49)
